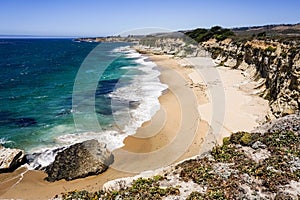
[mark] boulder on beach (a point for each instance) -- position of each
(80, 160)
(10, 159)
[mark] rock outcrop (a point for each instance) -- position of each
(287, 123)
(80, 160)
(277, 63)
(10, 159)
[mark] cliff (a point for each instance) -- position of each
(178, 45)
(273, 63)
(276, 63)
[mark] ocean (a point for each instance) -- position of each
(57, 92)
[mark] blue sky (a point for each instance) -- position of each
(101, 18)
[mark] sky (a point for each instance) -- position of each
(113, 17)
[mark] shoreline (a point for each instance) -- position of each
(163, 129)
(32, 185)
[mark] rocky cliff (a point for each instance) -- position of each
(274, 65)
(177, 44)
(277, 63)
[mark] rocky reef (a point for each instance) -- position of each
(10, 159)
(264, 164)
(80, 160)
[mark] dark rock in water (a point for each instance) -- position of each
(10, 159)
(24, 122)
(80, 160)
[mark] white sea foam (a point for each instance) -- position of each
(145, 88)
(128, 67)
(43, 157)
(4, 141)
(133, 55)
(121, 49)
(113, 139)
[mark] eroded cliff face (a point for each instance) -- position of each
(177, 46)
(276, 64)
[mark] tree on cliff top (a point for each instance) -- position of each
(217, 32)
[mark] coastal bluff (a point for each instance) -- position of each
(273, 64)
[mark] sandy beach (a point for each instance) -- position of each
(179, 130)
(233, 104)
(156, 141)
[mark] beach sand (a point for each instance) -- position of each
(233, 104)
(159, 141)
(179, 130)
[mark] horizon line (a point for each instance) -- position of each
(20, 36)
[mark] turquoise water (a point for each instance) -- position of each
(39, 109)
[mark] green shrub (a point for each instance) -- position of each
(262, 34)
(246, 139)
(217, 32)
(283, 54)
(270, 49)
(195, 196)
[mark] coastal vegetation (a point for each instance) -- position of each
(142, 188)
(281, 33)
(262, 164)
(217, 32)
